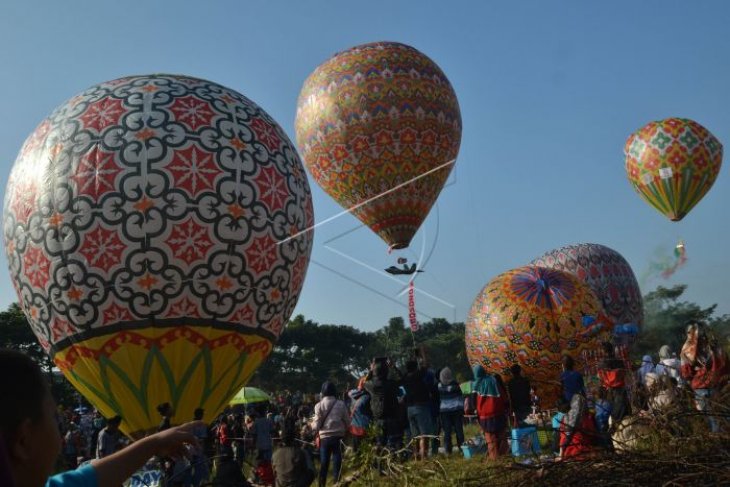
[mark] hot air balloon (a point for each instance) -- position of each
(610, 277)
(379, 128)
(531, 316)
(672, 164)
(663, 265)
(148, 227)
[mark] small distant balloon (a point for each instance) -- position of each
(680, 258)
(672, 164)
(665, 266)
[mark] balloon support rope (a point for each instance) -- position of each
(365, 202)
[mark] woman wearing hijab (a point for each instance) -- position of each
(331, 422)
(705, 367)
(577, 430)
(668, 365)
(491, 410)
(360, 413)
(647, 367)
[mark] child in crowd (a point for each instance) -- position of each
(30, 440)
(556, 422)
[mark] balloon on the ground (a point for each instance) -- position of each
(379, 128)
(531, 316)
(610, 277)
(672, 164)
(148, 225)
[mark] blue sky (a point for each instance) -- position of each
(549, 92)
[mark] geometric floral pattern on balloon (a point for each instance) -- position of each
(607, 273)
(531, 316)
(672, 164)
(157, 201)
(372, 118)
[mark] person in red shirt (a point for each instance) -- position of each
(224, 437)
(612, 374)
(491, 410)
(704, 365)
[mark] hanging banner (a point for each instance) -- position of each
(412, 307)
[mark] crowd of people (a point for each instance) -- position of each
(420, 407)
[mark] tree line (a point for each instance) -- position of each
(308, 352)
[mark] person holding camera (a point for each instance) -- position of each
(704, 365)
(384, 403)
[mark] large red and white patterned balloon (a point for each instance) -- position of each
(152, 228)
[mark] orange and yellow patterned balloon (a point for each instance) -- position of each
(672, 164)
(379, 129)
(531, 316)
(148, 227)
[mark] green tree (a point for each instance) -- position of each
(445, 346)
(665, 318)
(394, 340)
(443, 342)
(16, 334)
(308, 353)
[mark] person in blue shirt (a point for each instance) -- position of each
(603, 411)
(30, 441)
(571, 381)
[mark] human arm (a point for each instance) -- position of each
(314, 424)
(113, 470)
(394, 368)
(686, 370)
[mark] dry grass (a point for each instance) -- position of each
(674, 448)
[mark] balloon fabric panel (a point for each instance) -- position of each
(607, 273)
(531, 316)
(672, 164)
(144, 218)
(374, 118)
(132, 372)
